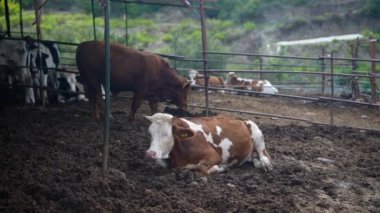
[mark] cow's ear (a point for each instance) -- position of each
(182, 132)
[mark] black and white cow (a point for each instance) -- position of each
(14, 56)
(21, 61)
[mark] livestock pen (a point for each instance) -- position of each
(51, 158)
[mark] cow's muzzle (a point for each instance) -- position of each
(151, 155)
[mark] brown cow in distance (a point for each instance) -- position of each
(198, 79)
(147, 75)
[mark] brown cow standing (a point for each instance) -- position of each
(205, 144)
(147, 75)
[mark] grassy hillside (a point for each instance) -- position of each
(234, 27)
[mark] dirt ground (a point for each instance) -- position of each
(50, 161)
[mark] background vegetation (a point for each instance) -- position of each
(71, 21)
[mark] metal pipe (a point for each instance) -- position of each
(106, 84)
(261, 55)
(332, 88)
(38, 16)
(126, 22)
(93, 19)
(204, 52)
(21, 20)
(7, 18)
(373, 70)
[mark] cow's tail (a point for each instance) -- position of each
(259, 146)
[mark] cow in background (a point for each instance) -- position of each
(147, 75)
(198, 79)
(48, 64)
(14, 56)
(205, 144)
(70, 89)
(263, 86)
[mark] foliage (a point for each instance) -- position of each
(372, 8)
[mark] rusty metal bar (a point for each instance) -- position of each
(351, 59)
(323, 66)
(332, 88)
(355, 88)
(261, 55)
(281, 116)
(38, 16)
(347, 101)
(20, 18)
(204, 52)
(93, 19)
(374, 87)
(126, 22)
(288, 72)
(7, 18)
(106, 84)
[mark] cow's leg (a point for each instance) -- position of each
(136, 102)
(210, 164)
(259, 146)
(29, 90)
(153, 106)
(44, 90)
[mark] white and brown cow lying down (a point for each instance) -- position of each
(263, 86)
(198, 79)
(205, 144)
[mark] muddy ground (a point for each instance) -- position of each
(50, 161)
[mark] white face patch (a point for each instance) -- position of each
(198, 127)
(161, 133)
(218, 130)
(225, 144)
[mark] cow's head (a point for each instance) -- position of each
(175, 91)
(162, 140)
(12, 53)
(193, 75)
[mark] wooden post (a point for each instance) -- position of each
(374, 87)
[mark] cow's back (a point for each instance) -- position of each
(127, 65)
(232, 134)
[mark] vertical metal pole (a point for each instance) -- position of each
(261, 67)
(93, 19)
(106, 83)
(332, 88)
(7, 18)
(38, 15)
(21, 21)
(355, 84)
(373, 70)
(126, 22)
(204, 49)
(323, 65)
